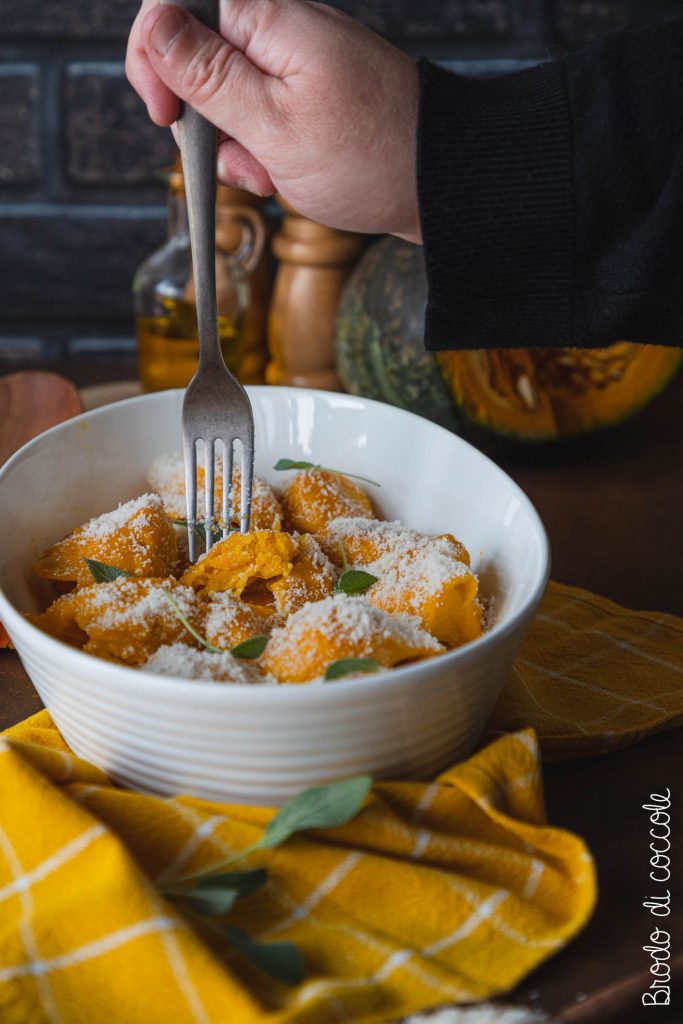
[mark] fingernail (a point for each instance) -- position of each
(167, 29)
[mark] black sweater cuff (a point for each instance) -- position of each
(496, 207)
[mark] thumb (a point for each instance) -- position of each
(206, 71)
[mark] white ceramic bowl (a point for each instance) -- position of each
(262, 744)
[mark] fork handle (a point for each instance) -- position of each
(197, 139)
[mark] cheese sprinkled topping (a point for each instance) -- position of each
(190, 663)
(126, 602)
(423, 570)
(354, 620)
(103, 526)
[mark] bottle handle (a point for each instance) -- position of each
(253, 239)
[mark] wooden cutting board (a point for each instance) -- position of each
(30, 403)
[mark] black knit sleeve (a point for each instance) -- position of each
(551, 200)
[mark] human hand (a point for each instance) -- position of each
(307, 102)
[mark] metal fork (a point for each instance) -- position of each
(216, 406)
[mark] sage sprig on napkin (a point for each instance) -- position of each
(212, 893)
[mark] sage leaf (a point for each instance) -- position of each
(210, 902)
(347, 666)
(214, 895)
(319, 807)
(283, 464)
(103, 573)
(241, 883)
(281, 960)
(190, 628)
(354, 581)
(244, 883)
(293, 464)
(251, 648)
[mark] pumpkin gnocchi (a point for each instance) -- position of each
(337, 587)
(312, 578)
(137, 537)
(314, 497)
(230, 621)
(125, 620)
(340, 627)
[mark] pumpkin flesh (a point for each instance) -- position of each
(541, 394)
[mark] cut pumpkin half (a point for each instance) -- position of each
(541, 394)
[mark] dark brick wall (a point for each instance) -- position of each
(409, 20)
(580, 21)
(19, 164)
(107, 135)
(70, 19)
(80, 199)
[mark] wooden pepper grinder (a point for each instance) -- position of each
(314, 263)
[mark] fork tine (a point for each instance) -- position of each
(227, 486)
(247, 477)
(190, 447)
(209, 490)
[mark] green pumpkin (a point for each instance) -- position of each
(380, 330)
(527, 394)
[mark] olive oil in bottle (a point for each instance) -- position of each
(164, 300)
(168, 348)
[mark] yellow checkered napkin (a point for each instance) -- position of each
(593, 677)
(442, 892)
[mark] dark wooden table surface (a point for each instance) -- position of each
(612, 506)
